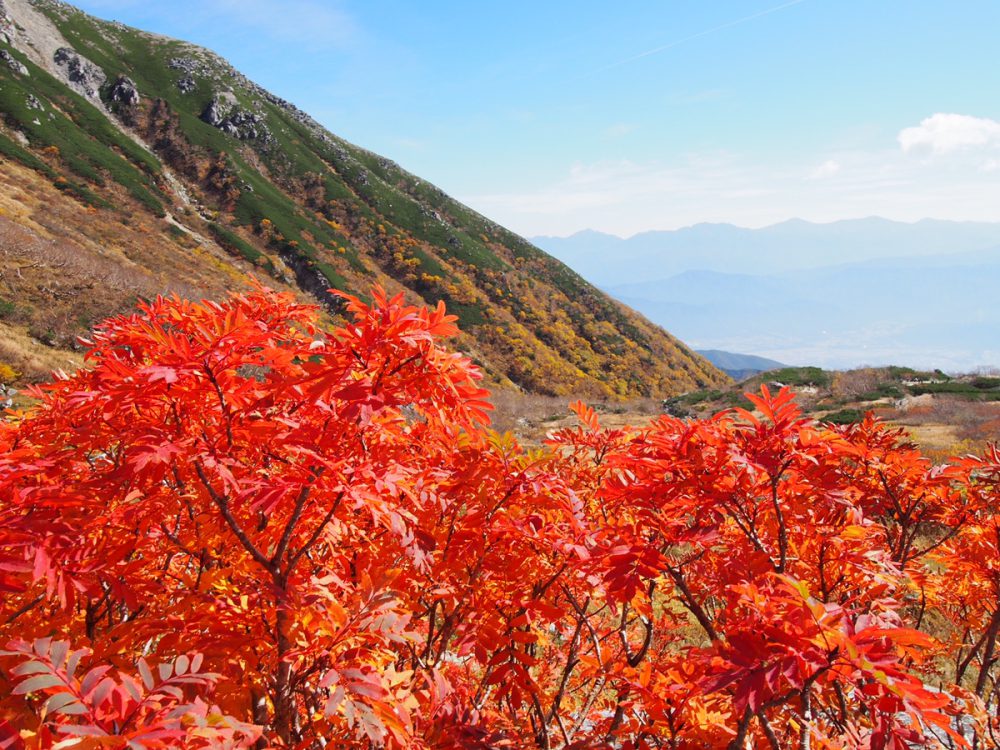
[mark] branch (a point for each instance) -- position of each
(26, 608)
(222, 401)
(692, 604)
(739, 741)
(571, 662)
(223, 505)
(315, 535)
(300, 504)
(782, 528)
(635, 659)
(768, 730)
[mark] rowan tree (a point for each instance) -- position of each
(234, 528)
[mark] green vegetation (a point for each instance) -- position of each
(14, 151)
(713, 399)
(330, 274)
(76, 134)
(844, 416)
(845, 397)
(978, 389)
(469, 315)
(883, 390)
(6, 308)
(696, 397)
(800, 376)
(908, 373)
(234, 243)
(984, 383)
(329, 209)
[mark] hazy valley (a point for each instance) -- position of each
(840, 295)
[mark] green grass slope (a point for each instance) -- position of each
(264, 181)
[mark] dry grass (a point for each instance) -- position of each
(945, 426)
(31, 360)
(530, 416)
(852, 384)
(65, 267)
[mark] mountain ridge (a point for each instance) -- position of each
(739, 366)
(169, 136)
(793, 222)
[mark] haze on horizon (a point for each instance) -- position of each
(557, 118)
(791, 221)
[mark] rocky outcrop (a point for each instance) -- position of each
(82, 75)
(123, 91)
(309, 278)
(13, 63)
(202, 64)
(189, 66)
(219, 109)
(32, 103)
(225, 114)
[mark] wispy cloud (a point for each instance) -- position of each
(943, 167)
(626, 197)
(698, 35)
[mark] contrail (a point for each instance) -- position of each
(706, 32)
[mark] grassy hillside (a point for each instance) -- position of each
(192, 141)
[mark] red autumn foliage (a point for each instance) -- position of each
(319, 542)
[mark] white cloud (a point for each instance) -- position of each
(827, 169)
(947, 133)
(626, 197)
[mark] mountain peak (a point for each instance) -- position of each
(160, 156)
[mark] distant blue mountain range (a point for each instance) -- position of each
(739, 366)
(867, 291)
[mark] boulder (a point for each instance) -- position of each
(123, 91)
(186, 84)
(214, 114)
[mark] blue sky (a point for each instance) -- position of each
(555, 117)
